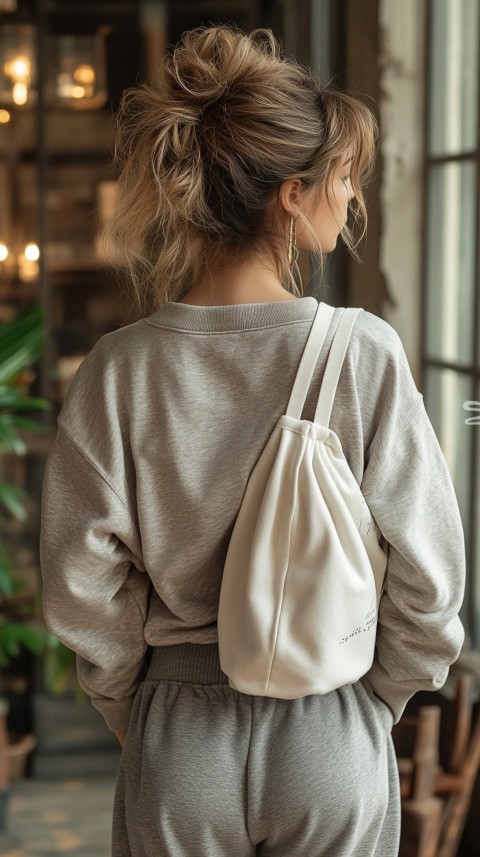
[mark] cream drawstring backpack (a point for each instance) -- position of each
(304, 569)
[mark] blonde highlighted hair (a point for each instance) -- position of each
(203, 148)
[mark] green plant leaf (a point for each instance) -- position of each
(9, 440)
(26, 320)
(13, 498)
(20, 360)
(6, 582)
(21, 343)
(27, 424)
(14, 637)
(13, 398)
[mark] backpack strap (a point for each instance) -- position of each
(311, 352)
(334, 365)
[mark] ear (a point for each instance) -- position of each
(290, 196)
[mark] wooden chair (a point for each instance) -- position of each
(445, 774)
(416, 740)
(456, 778)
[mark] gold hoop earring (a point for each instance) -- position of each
(292, 239)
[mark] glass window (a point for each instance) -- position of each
(445, 391)
(454, 71)
(451, 261)
(452, 301)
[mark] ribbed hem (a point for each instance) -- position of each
(209, 319)
(196, 663)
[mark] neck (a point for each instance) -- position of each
(249, 282)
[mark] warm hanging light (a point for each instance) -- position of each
(3, 251)
(32, 252)
(84, 74)
(5, 117)
(17, 65)
(20, 93)
(78, 92)
(19, 68)
(79, 71)
(28, 267)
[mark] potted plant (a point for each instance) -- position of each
(21, 342)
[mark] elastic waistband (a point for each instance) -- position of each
(198, 663)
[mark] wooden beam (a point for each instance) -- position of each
(3, 745)
(296, 25)
(366, 283)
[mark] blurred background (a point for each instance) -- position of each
(63, 67)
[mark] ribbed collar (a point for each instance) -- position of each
(233, 316)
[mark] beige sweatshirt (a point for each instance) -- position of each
(160, 429)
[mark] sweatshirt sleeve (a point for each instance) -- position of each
(95, 590)
(408, 488)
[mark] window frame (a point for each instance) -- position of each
(471, 609)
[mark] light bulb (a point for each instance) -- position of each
(5, 117)
(19, 93)
(3, 251)
(20, 68)
(32, 252)
(84, 74)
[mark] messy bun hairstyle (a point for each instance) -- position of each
(203, 148)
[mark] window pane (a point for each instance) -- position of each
(451, 261)
(454, 76)
(445, 392)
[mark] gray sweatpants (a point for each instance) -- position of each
(207, 771)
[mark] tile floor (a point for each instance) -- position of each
(50, 817)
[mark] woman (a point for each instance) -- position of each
(230, 161)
